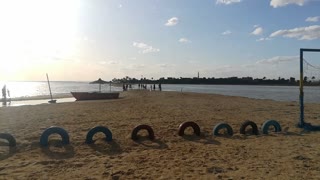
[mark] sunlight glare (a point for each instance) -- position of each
(36, 30)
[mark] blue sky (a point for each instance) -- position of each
(85, 40)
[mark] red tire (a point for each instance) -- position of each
(247, 123)
(183, 126)
(134, 134)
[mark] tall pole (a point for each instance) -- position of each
(301, 122)
(49, 86)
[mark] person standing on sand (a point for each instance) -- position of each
(4, 91)
(154, 87)
(160, 87)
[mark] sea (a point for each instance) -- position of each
(30, 93)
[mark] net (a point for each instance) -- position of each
(311, 73)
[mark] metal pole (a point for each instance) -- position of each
(301, 122)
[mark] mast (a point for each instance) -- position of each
(49, 86)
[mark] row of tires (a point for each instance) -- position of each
(134, 135)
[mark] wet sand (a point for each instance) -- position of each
(293, 154)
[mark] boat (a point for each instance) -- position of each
(95, 95)
(52, 100)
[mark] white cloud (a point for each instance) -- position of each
(264, 39)
(281, 3)
(278, 59)
(258, 31)
(172, 21)
(184, 40)
(301, 33)
(313, 19)
(144, 48)
(257, 25)
(227, 32)
(227, 2)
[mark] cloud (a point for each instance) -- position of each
(227, 32)
(172, 21)
(258, 31)
(165, 66)
(184, 40)
(301, 33)
(281, 3)
(278, 59)
(227, 2)
(144, 48)
(264, 39)
(313, 19)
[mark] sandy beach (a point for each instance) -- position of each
(293, 154)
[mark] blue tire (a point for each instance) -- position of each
(97, 129)
(54, 130)
(9, 138)
(220, 126)
(265, 126)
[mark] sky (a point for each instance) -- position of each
(82, 40)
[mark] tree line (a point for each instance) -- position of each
(221, 81)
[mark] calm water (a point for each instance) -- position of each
(34, 90)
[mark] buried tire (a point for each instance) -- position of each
(183, 126)
(265, 126)
(220, 126)
(247, 123)
(54, 130)
(97, 129)
(9, 138)
(134, 134)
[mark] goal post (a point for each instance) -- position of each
(302, 123)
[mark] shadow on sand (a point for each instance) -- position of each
(110, 148)
(203, 138)
(58, 150)
(155, 144)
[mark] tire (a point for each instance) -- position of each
(54, 130)
(183, 126)
(134, 134)
(97, 129)
(265, 126)
(9, 138)
(220, 126)
(247, 123)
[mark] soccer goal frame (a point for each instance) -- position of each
(302, 123)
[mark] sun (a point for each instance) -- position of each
(36, 30)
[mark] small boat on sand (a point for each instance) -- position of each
(95, 95)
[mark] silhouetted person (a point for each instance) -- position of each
(160, 87)
(123, 87)
(154, 86)
(4, 92)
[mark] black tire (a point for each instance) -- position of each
(9, 138)
(247, 123)
(54, 130)
(97, 129)
(265, 126)
(183, 126)
(220, 126)
(134, 134)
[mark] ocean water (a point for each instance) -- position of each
(26, 91)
